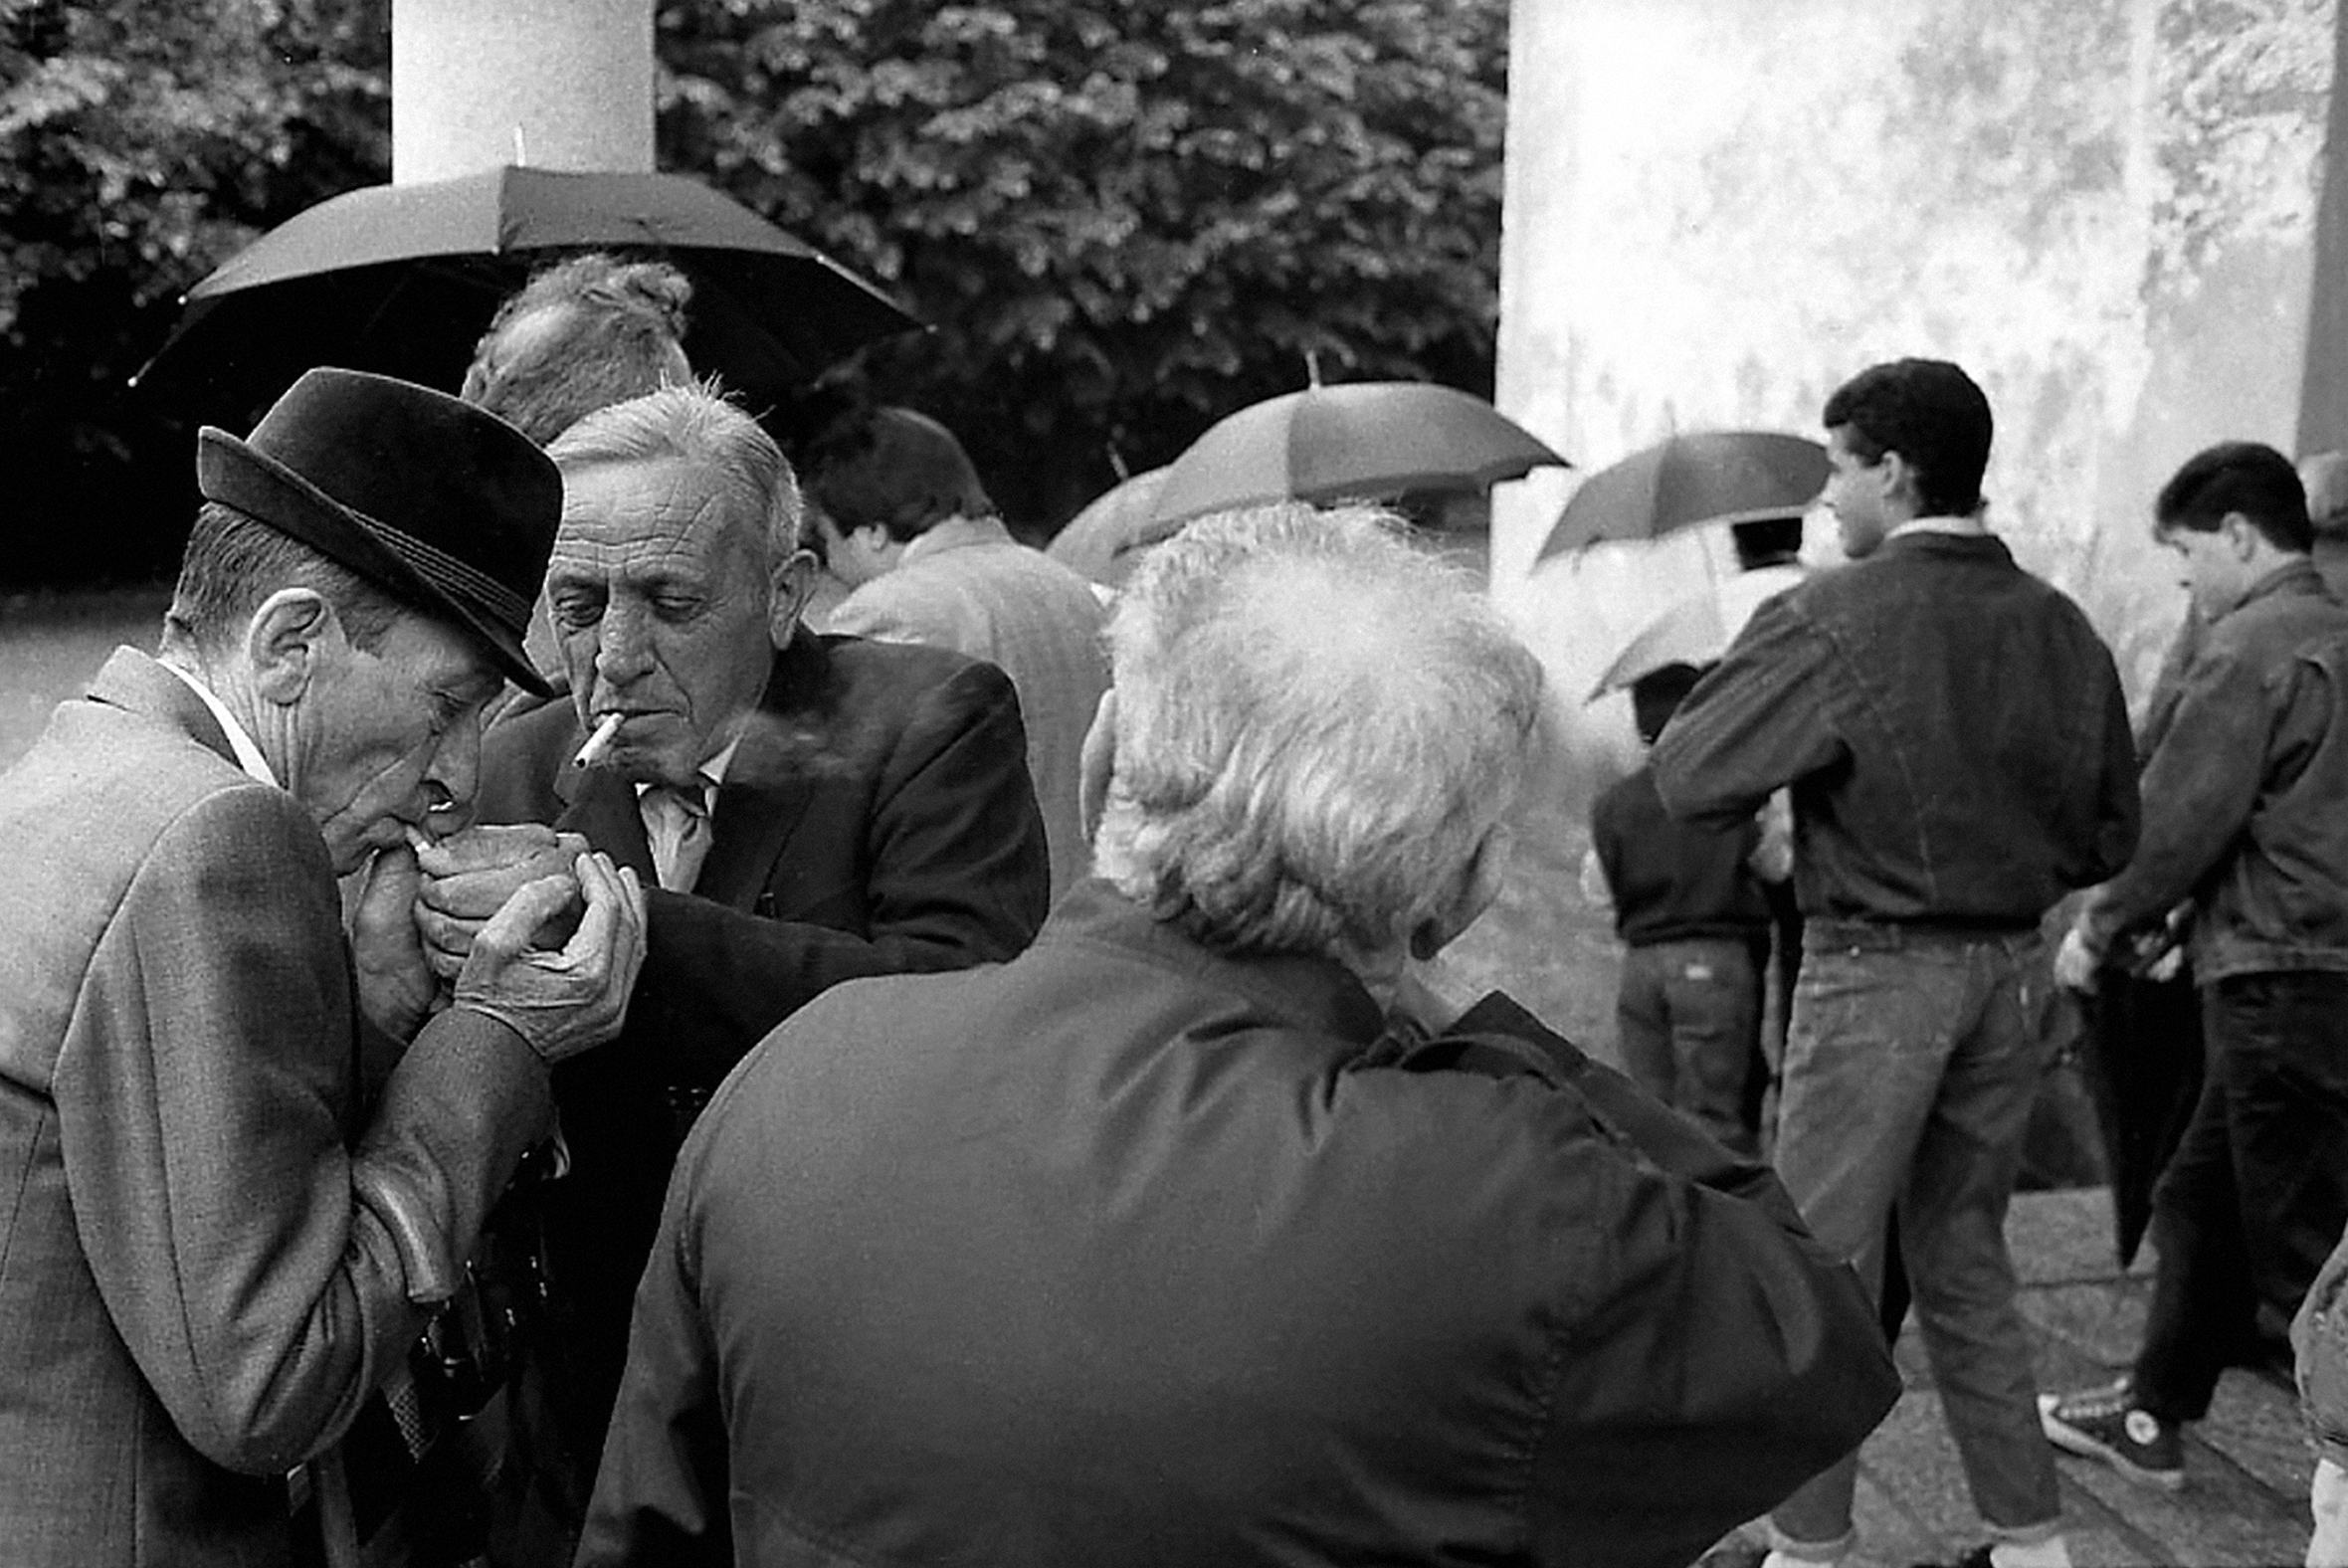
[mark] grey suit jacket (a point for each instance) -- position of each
(969, 586)
(209, 1236)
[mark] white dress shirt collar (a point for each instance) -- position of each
(248, 755)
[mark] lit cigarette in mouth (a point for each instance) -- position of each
(599, 742)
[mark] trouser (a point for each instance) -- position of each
(1911, 1072)
(1689, 1016)
(2256, 1194)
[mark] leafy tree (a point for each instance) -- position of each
(140, 147)
(1123, 218)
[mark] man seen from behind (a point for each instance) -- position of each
(1959, 756)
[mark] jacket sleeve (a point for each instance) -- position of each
(2198, 788)
(661, 1494)
(263, 1270)
(2118, 802)
(1763, 719)
(1726, 1358)
(957, 876)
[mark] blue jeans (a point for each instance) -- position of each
(1911, 1070)
(1689, 1018)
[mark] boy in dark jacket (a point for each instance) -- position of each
(1697, 921)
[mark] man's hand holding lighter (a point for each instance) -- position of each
(469, 876)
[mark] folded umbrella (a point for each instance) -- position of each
(403, 279)
(1359, 441)
(1721, 475)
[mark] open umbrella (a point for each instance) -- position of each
(403, 279)
(1363, 440)
(1696, 630)
(1106, 538)
(1721, 475)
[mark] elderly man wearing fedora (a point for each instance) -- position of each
(244, 1159)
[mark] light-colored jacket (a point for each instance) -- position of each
(210, 1231)
(967, 585)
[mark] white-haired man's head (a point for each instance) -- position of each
(675, 577)
(1317, 729)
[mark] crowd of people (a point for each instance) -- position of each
(532, 1031)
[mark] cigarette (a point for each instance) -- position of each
(599, 742)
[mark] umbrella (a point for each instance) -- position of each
(1106, 538)
(1365, 440)
(1724, 476)
(403, 279)
(1697, 630)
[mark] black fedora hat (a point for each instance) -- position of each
(445, 507)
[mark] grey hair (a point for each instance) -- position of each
(699, 425)
(234, 562)
(1318, 725)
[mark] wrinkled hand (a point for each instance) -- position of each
(2074, 964)
(397, 986)
(560, 1003)
(469, 876)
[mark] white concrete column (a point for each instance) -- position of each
(554, 84)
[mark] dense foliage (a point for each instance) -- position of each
(1124, 218)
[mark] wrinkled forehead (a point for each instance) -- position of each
(665, 506)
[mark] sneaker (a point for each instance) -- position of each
(2107, 1424)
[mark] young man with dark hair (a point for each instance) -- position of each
(1958, 751)
(1926, 416)
(2242, 820)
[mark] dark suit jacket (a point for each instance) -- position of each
(877, 817)
(1128, 1251)
(208, 1235)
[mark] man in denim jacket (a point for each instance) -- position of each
(1959, 756)
(2243, 816)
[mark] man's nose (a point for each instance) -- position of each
(454, 776)
(620, 651)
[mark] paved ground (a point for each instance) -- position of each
(2244, 1500)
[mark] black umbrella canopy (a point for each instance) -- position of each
(403, 279)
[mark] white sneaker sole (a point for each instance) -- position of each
(2071, 1440)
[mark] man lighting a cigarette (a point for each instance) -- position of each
(247, 1161)
(802, 810)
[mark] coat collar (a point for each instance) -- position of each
(137, 682)
(956, 533)
(1316, 995)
